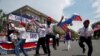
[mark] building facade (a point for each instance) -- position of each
(27, 10)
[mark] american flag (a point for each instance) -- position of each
(76, 18)
(64, 24)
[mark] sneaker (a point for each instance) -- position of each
(83, 50)
(36, 54)
(45, 54)
(55, 48)
(49, 54)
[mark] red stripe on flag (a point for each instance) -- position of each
(64, 27)
(77, 18)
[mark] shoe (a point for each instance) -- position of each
(89, 55)
(45, 54)
(83, 50)
(55, 48)
(36, 54)
(49, 54)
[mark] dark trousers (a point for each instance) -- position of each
(48, 36)
(88, 42)
(57, 41)
(9, 32)
(41, 41)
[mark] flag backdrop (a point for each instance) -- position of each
(21, 18)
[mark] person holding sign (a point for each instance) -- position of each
(49, 34)
(41, 33)
(41, 40)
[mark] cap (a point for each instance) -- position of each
(88, 21)
(49, 19)
(23, 24)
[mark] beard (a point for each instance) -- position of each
(48, 23)
(86, 26)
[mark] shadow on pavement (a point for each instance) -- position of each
(78, 55)
(65, 50)
(38, 54)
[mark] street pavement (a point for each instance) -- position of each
(74, 51)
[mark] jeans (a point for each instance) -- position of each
(20, 44)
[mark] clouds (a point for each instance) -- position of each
(53, 8)
(96, 4)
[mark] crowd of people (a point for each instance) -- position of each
(45, 33)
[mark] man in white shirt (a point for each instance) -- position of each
(41, 30)
(50, 34)
(85, 36)
(22, 38)
(41, 40)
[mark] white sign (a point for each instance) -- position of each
(31, 37)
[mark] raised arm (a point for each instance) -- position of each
(60, 20)
(37, 24)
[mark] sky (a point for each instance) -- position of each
(87, 9)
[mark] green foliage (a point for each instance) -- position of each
(58, 30)
(1, 27)
(74, 34)
(3, 17)
(94, 24)
(96, 33)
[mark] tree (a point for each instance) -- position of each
(94, 24)
(96, 33)
(3, 17)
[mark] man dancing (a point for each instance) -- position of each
(85, 36)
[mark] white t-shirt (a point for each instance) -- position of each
(13, 36)
(57, 35)
(11, 26)
(49, 30)
(22, 32)
(85, 32)
(41, 32)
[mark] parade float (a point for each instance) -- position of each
(24, 14)
(7, 47)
